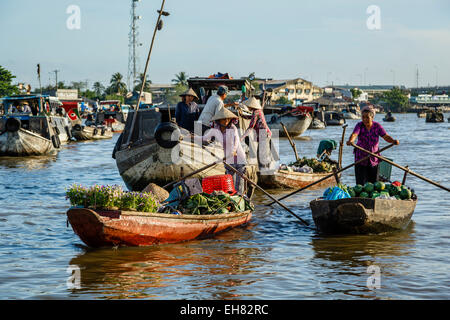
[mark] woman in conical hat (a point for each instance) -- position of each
(187, 111)
(258, 121)
(224, 131)
(261, 129)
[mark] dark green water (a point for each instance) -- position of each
(274, 257)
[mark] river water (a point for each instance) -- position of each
(273, 257)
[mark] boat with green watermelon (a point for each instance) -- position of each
(372, 208)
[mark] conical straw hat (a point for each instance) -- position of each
(189, 92)
(224, 113)
(252, 103)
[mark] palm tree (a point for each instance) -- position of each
(98, 88)
(117, 84)
(181, 79)
(139, 83)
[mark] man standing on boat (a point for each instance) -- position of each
(368, 132)
(187, 111)
(214, 104)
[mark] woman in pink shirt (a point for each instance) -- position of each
(226, 133)
(262, 130)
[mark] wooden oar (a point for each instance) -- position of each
(328, 176)
(401, 167)
(290, 141)
(264, 191)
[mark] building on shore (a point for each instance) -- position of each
(297, 90)
(373, 90)
(158, 91)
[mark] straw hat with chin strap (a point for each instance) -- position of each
(253, 103)
(189, 92)
(224, 113)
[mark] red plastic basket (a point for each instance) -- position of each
(223, 182)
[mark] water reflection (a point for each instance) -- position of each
(169, 271)
(28, 163)
(344, 259)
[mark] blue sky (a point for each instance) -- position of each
(321, 40)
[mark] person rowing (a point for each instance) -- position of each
(368, 132)
(226, 133)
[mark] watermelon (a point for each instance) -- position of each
(384, 193)
(405, 194)
(358, 189)
(397, 197)
(364, 195)
(351, 192)
(375, 194)
(368, 187)
(379, 186)
(395, 191)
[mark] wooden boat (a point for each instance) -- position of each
(81, 132)
(98, 228)
(290, 179)
(434, 117)
(295, 122)
(389, 117)
(361, 215)
(161, 152)
(38, 131)
(351, 115)
(112, 114)
(421, 114)
(334, 118)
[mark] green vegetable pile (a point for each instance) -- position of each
(374, 190)
(216, 203)
(316, 165)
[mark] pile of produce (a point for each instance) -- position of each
(313, 163)
(217, 202)
(111, 197)
(380, 189)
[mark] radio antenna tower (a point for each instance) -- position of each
(133, 43)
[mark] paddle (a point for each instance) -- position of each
(328, 176)
(265, 192)
(290, 141)
(401, 167)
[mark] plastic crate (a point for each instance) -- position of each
(384, 171)
(223, 182)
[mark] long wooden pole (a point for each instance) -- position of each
(194, 172)
(145, 74)
(402, 168)
(328, 176)
(265, 192)
(290, 141)
(341, 146)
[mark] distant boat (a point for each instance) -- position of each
(82, 132)
(334, 118)
(421, 114)
(434, 117)
(295, 120)
(39, 130)
(112, 114)
(389, 117)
